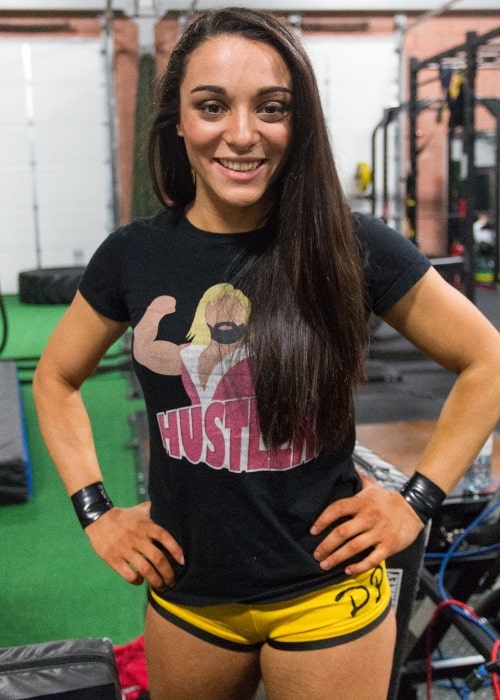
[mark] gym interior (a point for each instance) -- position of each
(414, 114)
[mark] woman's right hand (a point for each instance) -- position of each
(126, 539)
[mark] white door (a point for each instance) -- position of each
(56, 201)
(358, 78)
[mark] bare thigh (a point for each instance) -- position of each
(358, 669)
(184, 667)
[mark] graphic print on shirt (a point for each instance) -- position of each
(220, 428)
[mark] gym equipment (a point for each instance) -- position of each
(15, 466)
(56, 285)
(449, 579)
(476, 52)
(404, 567)
(75, 669)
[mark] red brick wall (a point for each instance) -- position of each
(431, 37)
(125, 76)
(428, 39)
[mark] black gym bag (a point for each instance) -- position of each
(75, 669)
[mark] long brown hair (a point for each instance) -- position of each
(307, 327)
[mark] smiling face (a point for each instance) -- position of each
(235, 119)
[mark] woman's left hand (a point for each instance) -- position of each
(377, 519)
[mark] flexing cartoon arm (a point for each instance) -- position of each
(160, 356)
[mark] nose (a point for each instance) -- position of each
(241, 132)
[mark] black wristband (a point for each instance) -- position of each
(90, 503)
(424, 496)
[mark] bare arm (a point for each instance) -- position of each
(448, 328)
(124, 538)
(72, 354)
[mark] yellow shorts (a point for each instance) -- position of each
(327, 617)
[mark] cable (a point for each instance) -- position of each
(463, 609)
(494, 675)
(451, 551)
(462, 690)
(430, 629)
(451, 683)
(5, 325)
(467, 553)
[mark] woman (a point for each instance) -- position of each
(248, 293)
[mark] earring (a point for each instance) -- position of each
(193, 176)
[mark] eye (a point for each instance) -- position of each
(275, 110)
(210, 108)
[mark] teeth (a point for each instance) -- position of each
(241, 167)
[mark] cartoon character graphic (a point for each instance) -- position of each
(220, 427)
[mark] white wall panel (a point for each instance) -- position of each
(358, 79)
(17, 241)
(55, 174)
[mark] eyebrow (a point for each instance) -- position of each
(222, 91)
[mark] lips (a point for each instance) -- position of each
(240, 166)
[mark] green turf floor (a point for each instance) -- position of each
(52, 585)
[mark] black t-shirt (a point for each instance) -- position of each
(241, 514)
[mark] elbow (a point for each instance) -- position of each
(49, 386)
(479, 372)
(486, 372)
(40, 386)
(493, 362)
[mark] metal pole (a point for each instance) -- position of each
(400, 156)
(111, 105)
(30, 118)
(493, 105)
(496, 208)
(385, 188)
(470, 175)
(411, 188)
(374, 170)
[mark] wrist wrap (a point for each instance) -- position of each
(90, 503)
(424, 496)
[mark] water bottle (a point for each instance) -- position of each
(478, 476)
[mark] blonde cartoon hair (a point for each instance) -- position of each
(199, 333)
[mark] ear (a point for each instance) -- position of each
(180, 131)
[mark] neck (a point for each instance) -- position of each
(225, 219)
